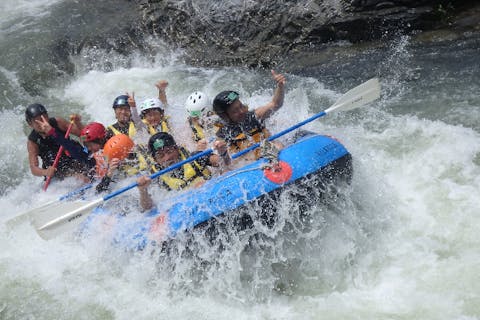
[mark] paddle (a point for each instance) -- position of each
(59, 154)
(47, 220)
(20, 218)
(72, 211)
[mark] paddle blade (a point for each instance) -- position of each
(358, 96)
(64, 216)
(28, 214)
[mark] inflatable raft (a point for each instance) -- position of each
(312, 161)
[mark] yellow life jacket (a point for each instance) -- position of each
(197, 130)
(142, 162)
(131, 130)
(243, 141)
(152, 130)
(193, 173)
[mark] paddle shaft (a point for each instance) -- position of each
(159, 173)
(59, 154)
(358, 96)
(209, 151)
(279, 134)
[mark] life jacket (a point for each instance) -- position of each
(131, 167)
(142, 159)
(130, 133)
(163, 126)
(189, 174)
(48, 149)
(201, 130)
(197, 130)
(243, 135)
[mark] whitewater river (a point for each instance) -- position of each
(401, 242)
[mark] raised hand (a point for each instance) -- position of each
(161, 85)
(131, 99)
(279, 78)
(43, 124)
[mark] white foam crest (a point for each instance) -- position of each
(424, 176)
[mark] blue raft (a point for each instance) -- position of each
(311, 160)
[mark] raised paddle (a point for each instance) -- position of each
(59, 154)
(52, 221)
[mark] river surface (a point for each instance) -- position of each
(401, 242)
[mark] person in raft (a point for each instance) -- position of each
(123, 114)
(124, 160)
(201, 119)
(241, 128)
(152, 111)
(93, 137)
(45, 139)
(166, 152)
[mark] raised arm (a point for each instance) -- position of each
(134, 111)
(162, 95)
(276, 103)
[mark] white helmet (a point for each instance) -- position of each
(150, 104)
(198, 103)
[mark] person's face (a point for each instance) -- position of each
(153, 117)
(237, 111)
(34, 122)
(122, 113)
(167, 156)
(92, 146)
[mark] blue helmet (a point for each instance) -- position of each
(120, 101)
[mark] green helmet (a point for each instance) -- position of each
(223, 100)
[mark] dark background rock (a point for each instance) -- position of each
(290, 35)
(264, 34)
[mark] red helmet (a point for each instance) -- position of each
(118, 146)
(93, 131)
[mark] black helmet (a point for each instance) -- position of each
(120, 101)
(223, 100)
(34, 110)
(160, 140)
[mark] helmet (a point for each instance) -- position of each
(118, 146)
(34, 110)
(160, 140)
(223, 100)
(197, 103)
(150, 104)
(120, 101)
(93, 131)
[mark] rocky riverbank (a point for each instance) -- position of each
(290, 35)
(268, 33)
